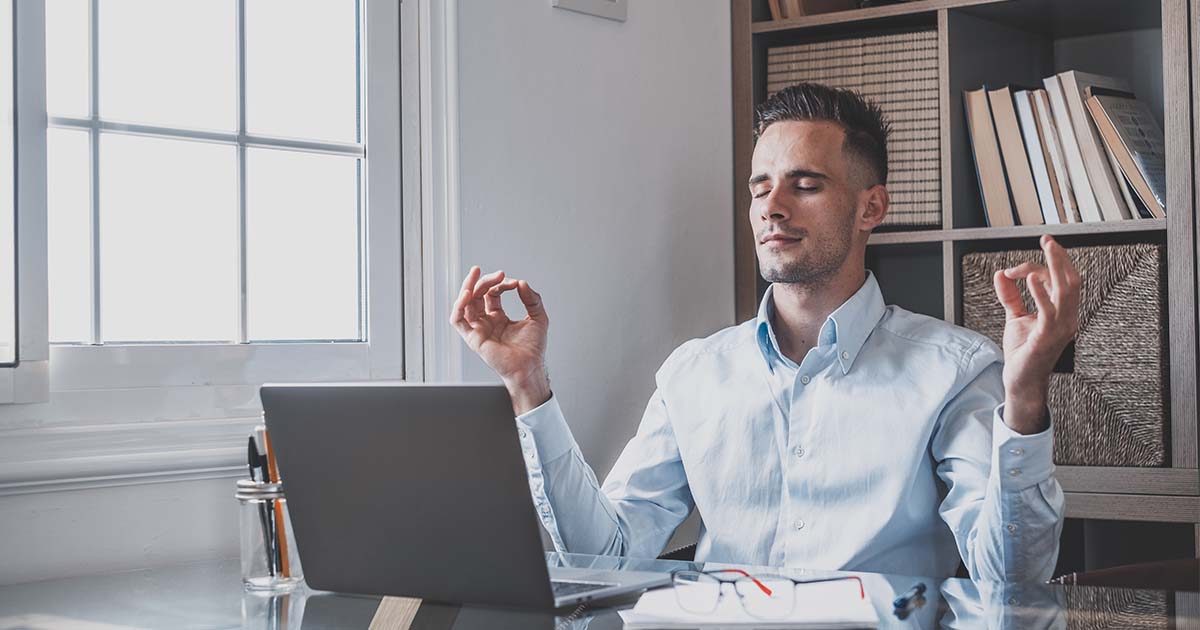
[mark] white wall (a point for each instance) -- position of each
(596, 163)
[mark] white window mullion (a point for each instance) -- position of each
(243, 335)
(94, 163)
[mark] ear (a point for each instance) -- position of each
(872, 207)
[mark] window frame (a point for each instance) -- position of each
(114, 415)
(28, 380)
(378, 356)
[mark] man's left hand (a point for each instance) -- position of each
(1033, 342)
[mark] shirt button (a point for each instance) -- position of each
(1012, 601)
(799, 524)
(846, 356)
(1016, 451)
(1012, 527)
(799, 452)
(805, 379)
(1015, 472)
(523, 434)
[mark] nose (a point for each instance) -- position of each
(774, 207)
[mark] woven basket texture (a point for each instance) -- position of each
(1109, 410)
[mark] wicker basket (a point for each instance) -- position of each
(1108, 407)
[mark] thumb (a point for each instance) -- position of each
(1010, 298)
(532, 301)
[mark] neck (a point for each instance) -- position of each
(802, 308)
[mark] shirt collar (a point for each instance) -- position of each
(846, 328)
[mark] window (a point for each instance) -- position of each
(215, 148)
(205, 171)
(213, 215)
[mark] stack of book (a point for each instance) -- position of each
(1082, 149)
(899, 73)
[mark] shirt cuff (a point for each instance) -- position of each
(1021, 461)
(545, 429)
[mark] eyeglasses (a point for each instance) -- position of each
(762, 597)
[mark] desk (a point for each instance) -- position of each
(208, 595)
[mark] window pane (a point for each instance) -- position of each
(68, 208)
(67, 36)
(168, 248)
(301, 79)
(8, 258)
(302, 245)
(169, 62)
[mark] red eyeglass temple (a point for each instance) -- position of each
(744, 574)
(862, 593)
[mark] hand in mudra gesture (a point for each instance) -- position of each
(1034, 341)
(516, 350)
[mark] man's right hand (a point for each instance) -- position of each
(515, 350)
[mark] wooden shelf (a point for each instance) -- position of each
(862, 15)
(1133, 507)
(1020, 231)
(1122, 480)
(1060, 18)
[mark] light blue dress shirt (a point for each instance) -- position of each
(883, 450)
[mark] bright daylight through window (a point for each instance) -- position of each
(205, 171)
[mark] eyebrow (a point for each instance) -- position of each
(792, 174)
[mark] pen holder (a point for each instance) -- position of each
(270, 561)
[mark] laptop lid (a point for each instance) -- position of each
(408, 489)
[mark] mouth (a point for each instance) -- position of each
(778, 241)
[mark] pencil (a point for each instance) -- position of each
(280, 534)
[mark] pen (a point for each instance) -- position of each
(254, 461)
(909, 595)
(280, 533)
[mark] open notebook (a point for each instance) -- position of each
(820, 605)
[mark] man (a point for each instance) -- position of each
(829, 432)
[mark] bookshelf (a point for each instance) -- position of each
(1153, 43)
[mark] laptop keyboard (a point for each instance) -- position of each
(562, 588)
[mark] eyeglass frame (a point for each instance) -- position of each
(862, 593)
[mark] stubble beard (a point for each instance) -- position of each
(815, 267)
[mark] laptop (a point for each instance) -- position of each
(419, 490)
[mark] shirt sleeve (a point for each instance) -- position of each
(642, 502)
(1003, 504)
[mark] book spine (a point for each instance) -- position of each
(1037, 161)
(1104, 183)
(1080, 184)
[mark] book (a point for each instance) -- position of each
(1060, 186)
(776, 11)
(993, 187)
(1104, 182)
(1122, 183)
(1080, 185)
(1023, 100)
(1016, 163)
(1129, 129)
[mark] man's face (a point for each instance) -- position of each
(804, 202)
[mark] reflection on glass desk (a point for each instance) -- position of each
(209, 595)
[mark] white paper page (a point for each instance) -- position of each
(822, 605)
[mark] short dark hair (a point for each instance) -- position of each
(864, 123)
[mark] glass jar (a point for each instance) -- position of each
(270, 561)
